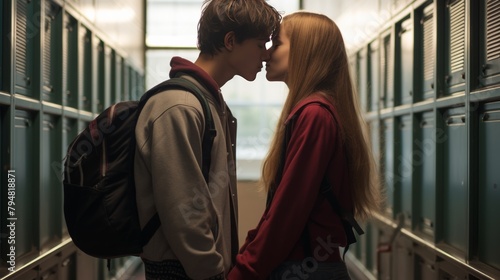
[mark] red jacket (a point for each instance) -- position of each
(315, 149)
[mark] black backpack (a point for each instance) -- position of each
(99, 189)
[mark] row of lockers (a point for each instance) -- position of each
(429, 53)
(59, 59)
(429, 82)
(57, 72)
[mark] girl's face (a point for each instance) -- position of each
(277, 65)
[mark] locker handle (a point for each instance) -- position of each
(491, 118)
(66, 262)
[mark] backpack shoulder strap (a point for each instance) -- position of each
(347, 218)
(208, 137)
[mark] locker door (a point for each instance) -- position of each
(51, 90)
(454, 46)
(405, 63)
(362, 79)
(99, 76)
(374, 75)
(26, 34)
(427, 53)
(25, 164)
(454, 171)
(125, 94)
(489, 185)
(2, 77)
(388, 166)
(117, 78)
(108, 75)
(85, 63)
(70, 62)
(50, 185)
(425, 162)
(405, 167)
(387, 63)
(490, 67)
(69, 132)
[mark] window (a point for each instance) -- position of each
(171, 30)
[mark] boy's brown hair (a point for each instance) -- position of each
(246, 18)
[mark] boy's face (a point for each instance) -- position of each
(247, 57)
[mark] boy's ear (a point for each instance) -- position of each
(229, 40)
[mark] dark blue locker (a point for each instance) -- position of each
(388, 166)
(50, 186)
(26, 167)
(69, 73)
(489, 185)
(405, 167)
(454, 210)
(490, 42)
(405, 62)
(51, 57)
(454, 46)
(425, 181)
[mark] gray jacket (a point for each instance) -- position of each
(198, 222)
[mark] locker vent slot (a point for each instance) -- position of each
(428, 30)
(457, 35)
(493, 29)
(21, 38)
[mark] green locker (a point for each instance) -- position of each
(362, 79)
(51, 57)
(426, 139)
(125, 94)
(108, 75)
(405, 167)
(405, 63)
(117, 85)
(425, 268)
(99, 76)
(26, 166)
(490, 38)
(454, 46)
(85, 70)
(426, 54)
(132, 83)
(27, 30)
(50, 186)
(3, 18)
(453, 205)
(387, 61)
(69, 132)
(388, 166)
(70, 62)
(374, 75)
(489, 185)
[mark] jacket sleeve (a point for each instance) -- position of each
(307, 157)
(181, 195)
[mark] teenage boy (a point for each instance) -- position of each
(198, 236)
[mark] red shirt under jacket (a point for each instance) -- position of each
(315, 149)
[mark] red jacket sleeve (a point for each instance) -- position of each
(308, 154)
